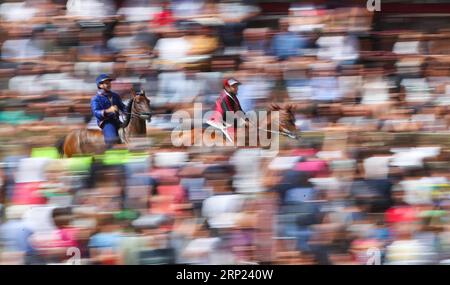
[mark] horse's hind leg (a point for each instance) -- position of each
(68, 149)
(71, 144)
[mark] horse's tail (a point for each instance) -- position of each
(60, 145)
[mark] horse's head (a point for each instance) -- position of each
(141, 105)
(287, 120)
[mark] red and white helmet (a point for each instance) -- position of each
(230, 82)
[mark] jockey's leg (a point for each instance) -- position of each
(110, 134)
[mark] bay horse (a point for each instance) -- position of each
(279, 121)
(88, 141)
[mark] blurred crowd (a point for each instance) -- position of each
(367, 183)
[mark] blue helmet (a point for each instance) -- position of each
(101, 78)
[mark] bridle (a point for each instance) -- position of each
(143, 116)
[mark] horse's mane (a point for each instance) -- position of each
(276, 107)
(128, 110)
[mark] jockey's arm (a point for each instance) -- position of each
(242, 121)
(98, 112)
(241, 118)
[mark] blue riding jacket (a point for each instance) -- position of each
(102, 101)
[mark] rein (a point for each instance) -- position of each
(131, 108)
(131, 113)
(283, 132)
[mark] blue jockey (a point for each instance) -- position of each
(105, 106)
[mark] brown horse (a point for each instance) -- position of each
(279, 121)
(88, 141)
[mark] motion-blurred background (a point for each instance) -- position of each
(372, 91)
